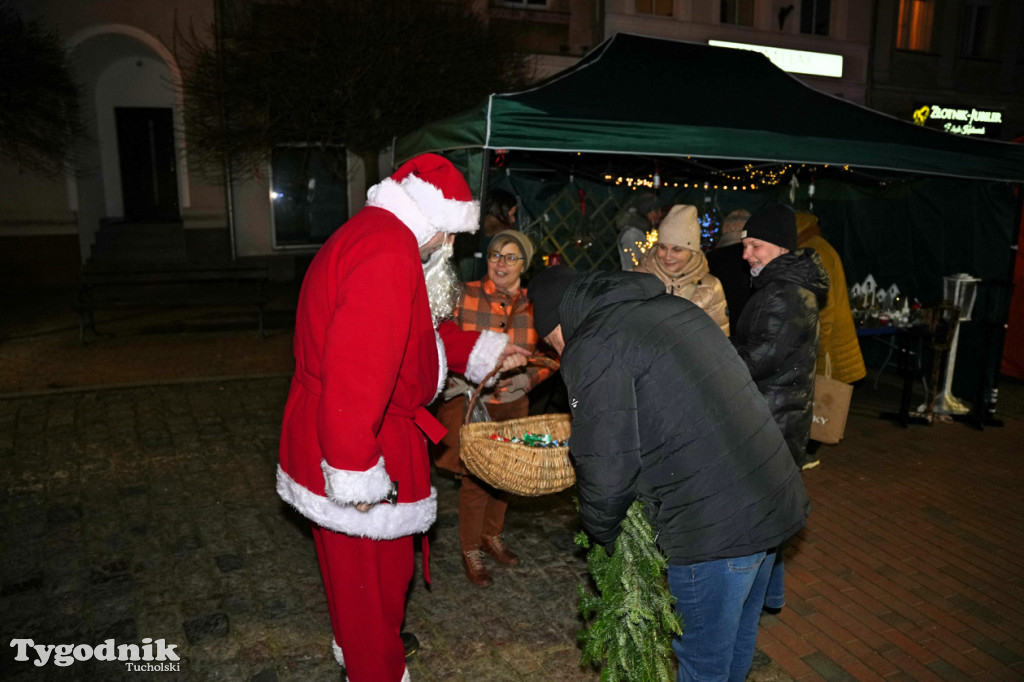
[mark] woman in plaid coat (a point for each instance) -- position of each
(495, 303)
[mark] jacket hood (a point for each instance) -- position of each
(592, 291)
(802, 267)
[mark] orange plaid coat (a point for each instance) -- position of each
(483, 307)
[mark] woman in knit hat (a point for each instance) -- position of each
(679, 263)
(496, 303)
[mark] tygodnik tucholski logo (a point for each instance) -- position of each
(151, 656)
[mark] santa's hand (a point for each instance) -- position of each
(364, 507)
(513, 356)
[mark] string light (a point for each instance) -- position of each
(749, 179)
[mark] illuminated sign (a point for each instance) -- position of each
(961, 121)
(794, 61)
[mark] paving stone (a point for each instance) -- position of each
(202, 628)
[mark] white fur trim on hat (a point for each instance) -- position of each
(382, 522)
(680, 228)
(390, 196)
(447, 215)
(484, 356)
(423, 208)
(356, 487)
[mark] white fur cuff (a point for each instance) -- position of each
(383, 521)
(484, 356)
(356, 487)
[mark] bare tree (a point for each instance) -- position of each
(337, 72)
(39, 100)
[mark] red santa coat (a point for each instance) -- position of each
(367, 362)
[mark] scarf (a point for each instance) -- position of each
(685, 283)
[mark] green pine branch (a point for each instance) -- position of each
(632, 619)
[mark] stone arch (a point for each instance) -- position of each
(160, 50)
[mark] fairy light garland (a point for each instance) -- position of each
(751, 179)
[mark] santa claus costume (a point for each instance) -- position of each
(368, 360)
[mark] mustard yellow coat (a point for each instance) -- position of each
(838, 335)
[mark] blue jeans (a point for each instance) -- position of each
(776, 596)
(720, 602)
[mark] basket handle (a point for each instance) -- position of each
(532, 360)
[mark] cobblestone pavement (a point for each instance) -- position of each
(151, 512)
(148, 511)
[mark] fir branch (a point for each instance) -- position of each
(631, 619)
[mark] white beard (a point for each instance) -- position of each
(442, 283)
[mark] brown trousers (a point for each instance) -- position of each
(481, 507)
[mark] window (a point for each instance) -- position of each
(740, 12)
(977, 15)
(309, 193)
(661, 8)
(814, 16)
(914, 25)
(524, 3)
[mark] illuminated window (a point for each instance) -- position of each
(814, 16)
(740, 12)
(977, 23)
(309, 193)
(661, 8)
(914, 26)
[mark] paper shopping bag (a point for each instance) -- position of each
(831, 406)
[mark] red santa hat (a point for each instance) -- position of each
(429, 195)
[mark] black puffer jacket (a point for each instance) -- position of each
(777, 336)
(665, 411)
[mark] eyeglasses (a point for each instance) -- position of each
(508, 258)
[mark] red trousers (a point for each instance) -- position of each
(366, 583)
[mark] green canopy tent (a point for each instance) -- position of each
(917, 204)
(640, 95)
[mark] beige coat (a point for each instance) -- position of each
(695, 283)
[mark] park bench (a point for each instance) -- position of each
(170, 288)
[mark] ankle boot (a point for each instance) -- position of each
(493, 545)
(473, 564)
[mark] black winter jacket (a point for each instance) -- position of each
(665, 411)
(777, 336)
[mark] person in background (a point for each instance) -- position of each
(726, 263)
(641, 215)
(372, 349)
(499, 214)
(838, 337)
(777, 337)
(497, 303)
(665, 412)
(678, 262)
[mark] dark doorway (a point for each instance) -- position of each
(149, 176)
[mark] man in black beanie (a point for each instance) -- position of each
(666, 413)
(777, 336)
(777, 333)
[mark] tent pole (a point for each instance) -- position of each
(485, 172)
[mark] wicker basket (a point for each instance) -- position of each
(514, 467)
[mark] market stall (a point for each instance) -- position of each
(712, 125)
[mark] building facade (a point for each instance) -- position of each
(955, 65)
